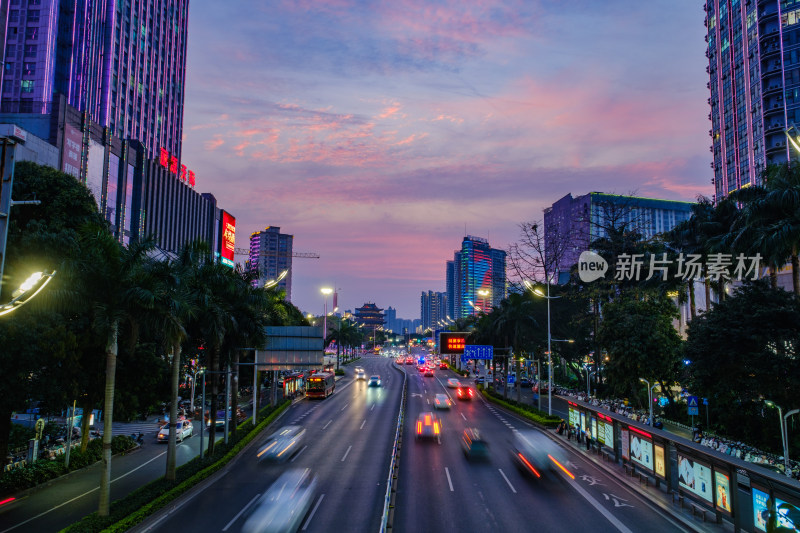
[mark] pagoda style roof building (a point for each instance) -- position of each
(370, 315)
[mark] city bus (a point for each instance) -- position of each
(320, 385)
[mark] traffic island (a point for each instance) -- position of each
(536, 416)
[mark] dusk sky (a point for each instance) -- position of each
(376, 132)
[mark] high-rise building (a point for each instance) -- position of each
(122, 62)
(479, 277)
(572, 224)
(450, 288)
(271, 255)
(754, 81)
(433, 309)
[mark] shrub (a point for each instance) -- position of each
(340, 372)
(527, 411)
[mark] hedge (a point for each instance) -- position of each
(525, 410)
(44, 470)
(144, 501)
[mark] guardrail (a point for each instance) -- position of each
(387, 503)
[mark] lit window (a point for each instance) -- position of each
(27, 86)
(29, 69)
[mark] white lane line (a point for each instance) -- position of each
(507, 481)
(298, 453)
(462, 416)
(428, 400)
(328, 424)
(84, 494)
(345, 453)
(610, 517)
(373, 407)
(343, 408)
(362, 424)
(449, 481)
(240, 512)
(308, 520)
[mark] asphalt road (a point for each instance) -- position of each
(347, 446)
(439, 490)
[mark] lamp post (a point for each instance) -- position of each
(588, 376)
(649, 397)
(194, 379)
(483, 293)
(325, 291)
(782, 421)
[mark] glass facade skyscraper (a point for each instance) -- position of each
(479, 277)
(121, 61)
(754, 80)
(271, 254)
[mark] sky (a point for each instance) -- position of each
(378, 133)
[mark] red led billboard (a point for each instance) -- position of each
(228, 238)
(452, 343)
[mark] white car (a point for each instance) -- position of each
(184, 431)
(441, 401)
(453, 383)
(360, 374)
(282, 444)
(284, 505)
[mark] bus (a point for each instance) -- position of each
(320, 385)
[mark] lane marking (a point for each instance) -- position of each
(449, 481)
(345, 453)
(308, 520)
(240, 512)
(610, 517)
(298, 453)
(507, 481)
(328, 424)
(428, 400)
(462, 416)
(373, 407)
(84, 494)
(343, 408)
(362, 424)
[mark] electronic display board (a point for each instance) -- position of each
(452, 343)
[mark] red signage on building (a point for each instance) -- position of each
(228, 238)
(170, 162)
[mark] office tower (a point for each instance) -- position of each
(433, 309)
(479, 280)
(754, 81)
(572, 224)
(390, 319)
(122, 62)
(450, 288)
(271, 255)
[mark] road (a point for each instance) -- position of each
(348, 442)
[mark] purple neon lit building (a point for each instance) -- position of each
(122, 61)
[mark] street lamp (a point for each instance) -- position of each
(538, 292)
(588, 376)
(783, 418)
(483, 293)
(271, 283)
(325, 291)
(649, 397)
(25, 293)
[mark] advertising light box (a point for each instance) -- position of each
(228, 240)
(660, 465)
(452, 343)
(723, 491)
(641, 450)
(694, 477)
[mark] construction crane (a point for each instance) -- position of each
(305, 255)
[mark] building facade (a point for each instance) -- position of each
(271, 255)
(754, 82)
(122, 62)
(572, 224)
(479, 277)
(433, 309)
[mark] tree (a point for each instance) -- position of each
(745, 350)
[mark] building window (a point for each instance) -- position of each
(13, 15)
(31, 33)
(30, 50)
(9, 67)
(29, 69)
(27, 86)
(11, 51)
(8, 85)
(34, 2)
(33, 16)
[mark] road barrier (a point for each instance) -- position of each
(391, 483)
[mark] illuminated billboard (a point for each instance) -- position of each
(452, 343)
(228, 239)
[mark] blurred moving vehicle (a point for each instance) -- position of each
(360, 374)
(473, 445)
(284, 505)
(453, 383)
(282, 444)
(536, 454)
(409, 360)
(183, 431)
(428, 372)
(442, 366)
(428, 426)
(374, 381)
(464, 393)
(441, 401)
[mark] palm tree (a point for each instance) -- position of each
(688, 238)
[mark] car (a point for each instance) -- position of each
(524, 382)
(535, 454)
(464, 393)
(374, 381)
(360, 374)
(183, 431)
(409, 360)
(479, 380)
(442, 366)
(473, 445)
(441, 401)
(428, 372)
(428, 426)
(453, 383)
(284, 505)
(282, 444)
